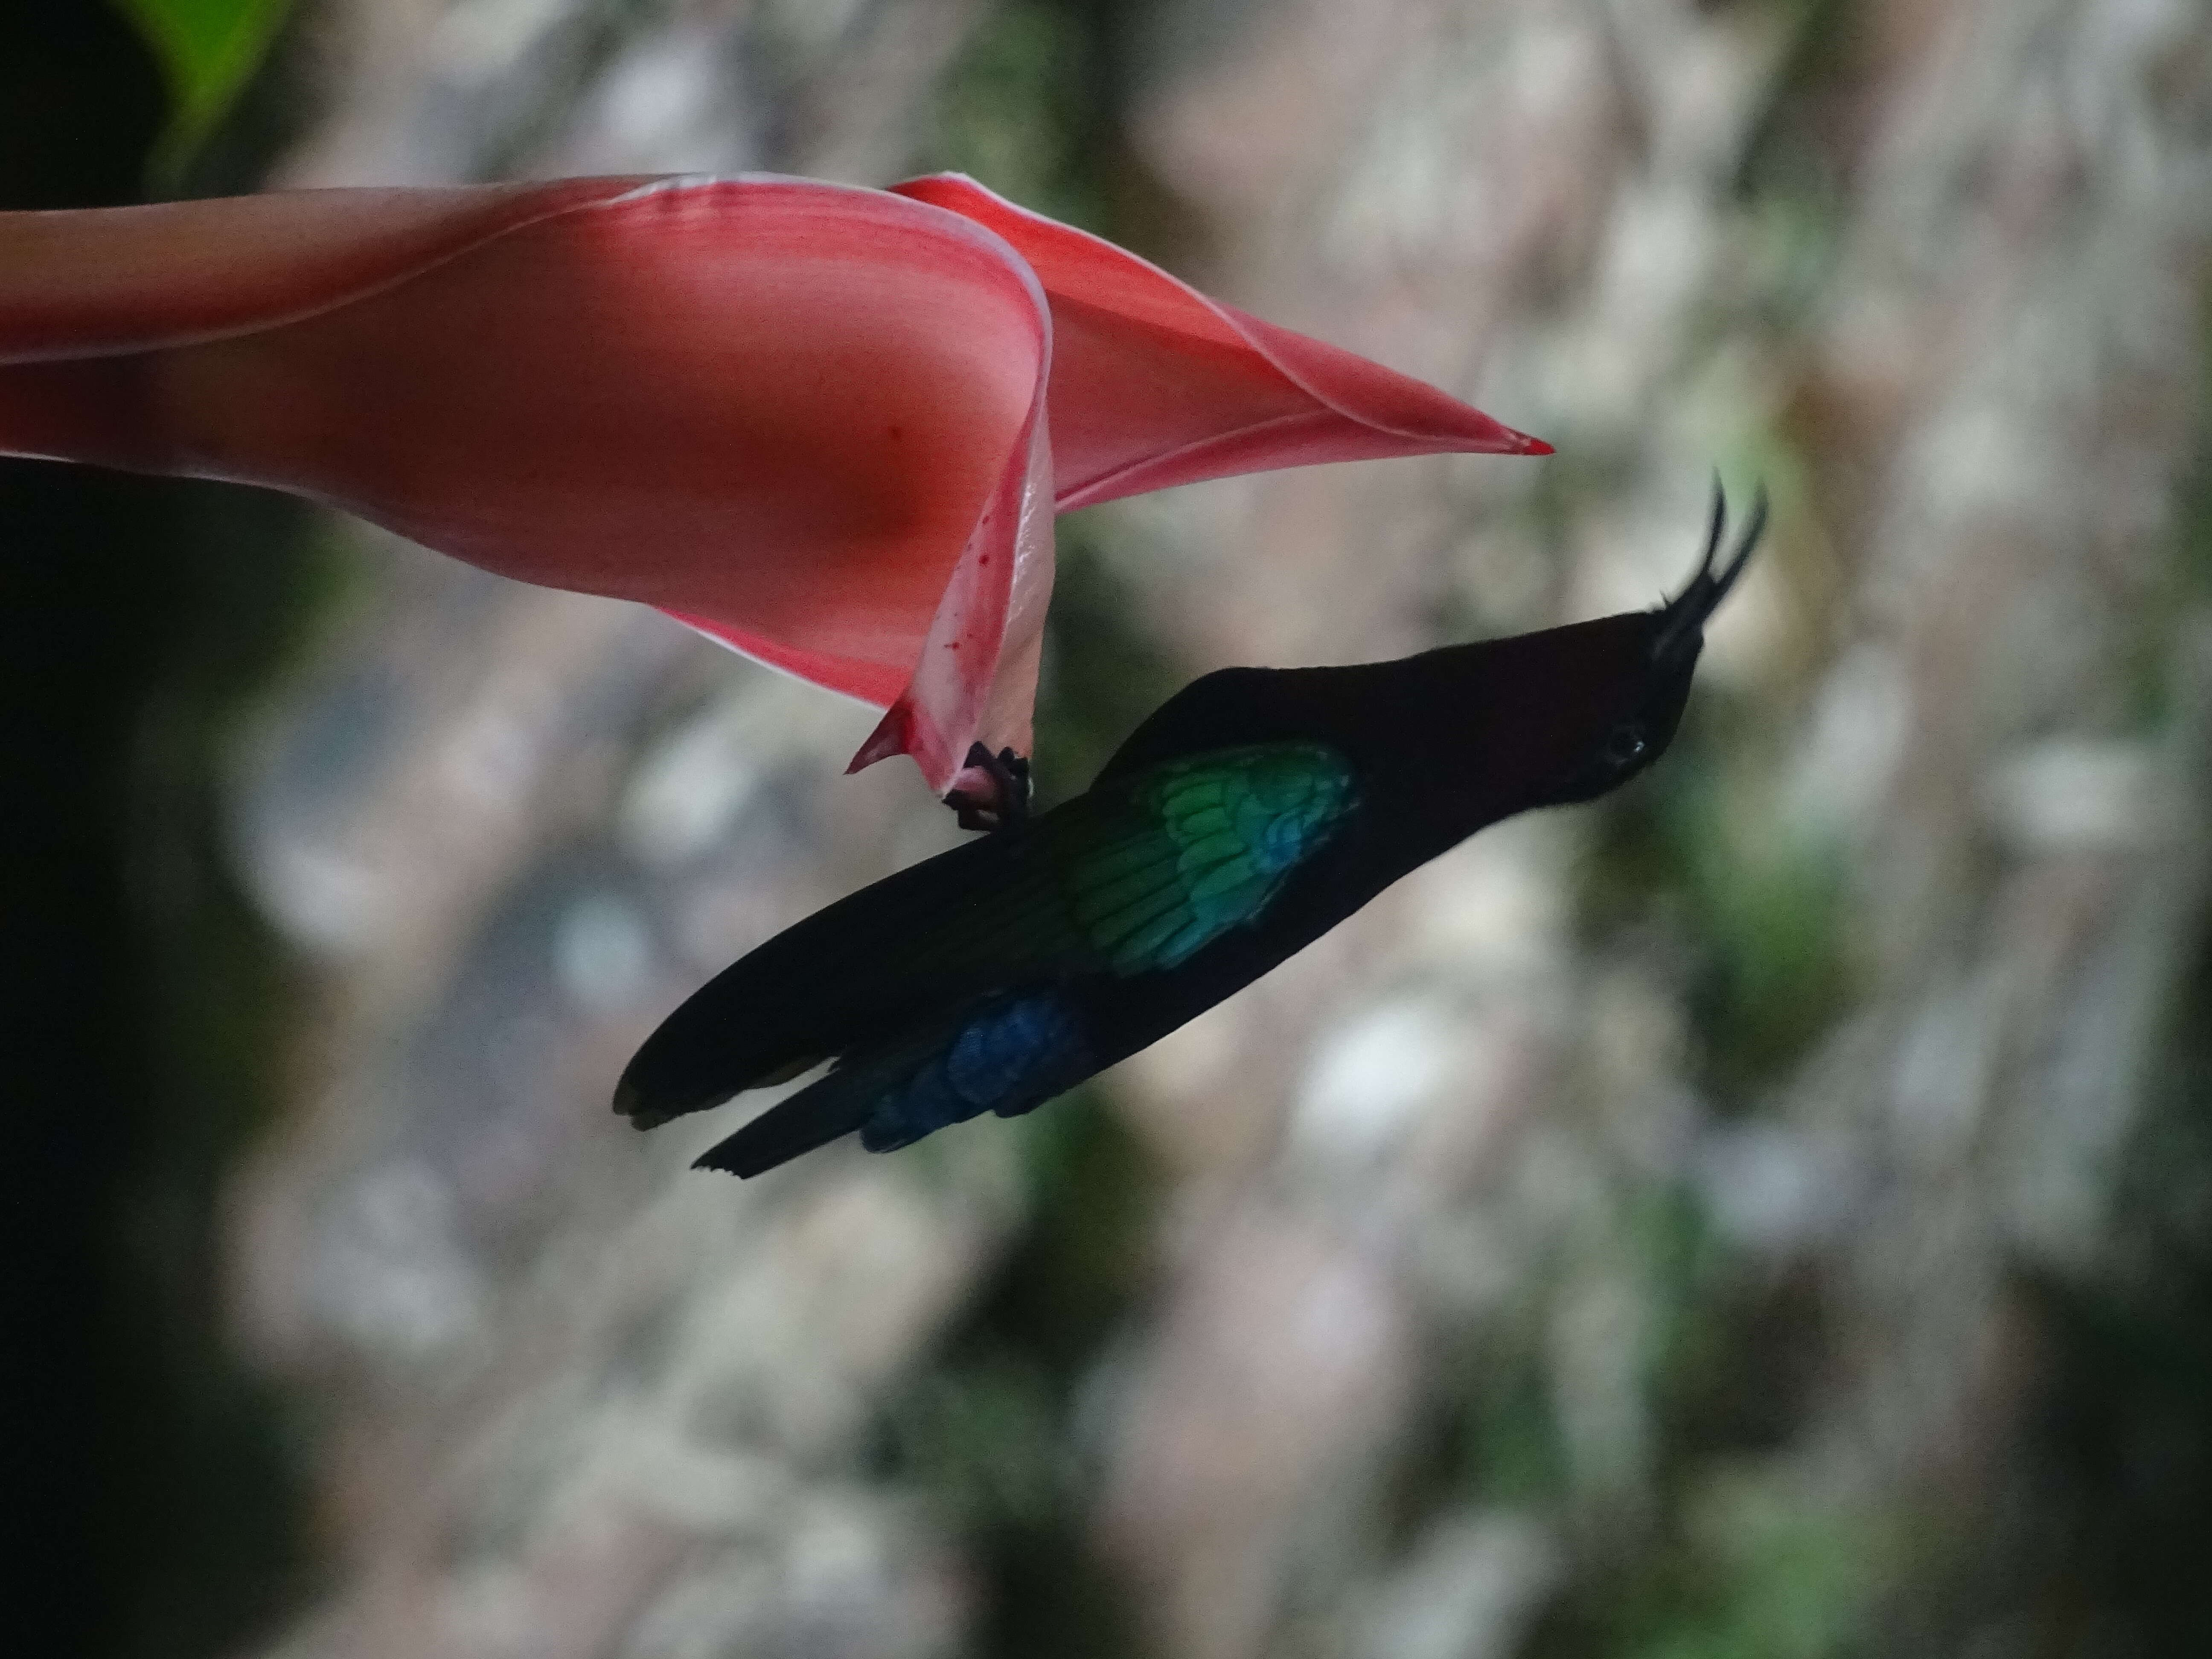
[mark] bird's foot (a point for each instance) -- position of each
(991, 791)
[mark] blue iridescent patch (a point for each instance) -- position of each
(1010, 1057)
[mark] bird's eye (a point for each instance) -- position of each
(1626, 744)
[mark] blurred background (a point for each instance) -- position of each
(1768, 1213)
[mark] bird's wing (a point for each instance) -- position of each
(1130, 879)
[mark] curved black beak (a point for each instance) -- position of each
(1683, 616)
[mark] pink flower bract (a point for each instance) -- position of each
(827, 426)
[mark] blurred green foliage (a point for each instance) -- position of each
(1751, 908)
(1703, 874)
(1024, 106)
(1031, 106)
(142, 618)
(2096, 1541)
(2156, 696)
(1491, 1435)
(209, 50)
(1782, 1579)
(1102, 672)
(1743, 1565)
(991, 1431)
(221, 1477)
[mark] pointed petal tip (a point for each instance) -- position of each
(908, 728)
(1457, 428)
(892, 736)
(1510, 440)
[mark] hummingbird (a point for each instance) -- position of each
(1243, 819)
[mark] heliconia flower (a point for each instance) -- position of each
(825, 425)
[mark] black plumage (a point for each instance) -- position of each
(1250, 813)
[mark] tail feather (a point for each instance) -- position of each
(825, 1110)
(805, 994)
(785, 1130)
(1003, 1055)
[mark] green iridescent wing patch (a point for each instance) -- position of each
(1200, 847)
(1134, 878)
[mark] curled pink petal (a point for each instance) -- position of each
(786, 411)
(1153, 383)
(827, 425)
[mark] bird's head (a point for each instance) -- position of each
(1464, 735)
(1605, 696)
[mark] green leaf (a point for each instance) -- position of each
(208, 49)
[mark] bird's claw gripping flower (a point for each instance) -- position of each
(827, 425)
(992, 791)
